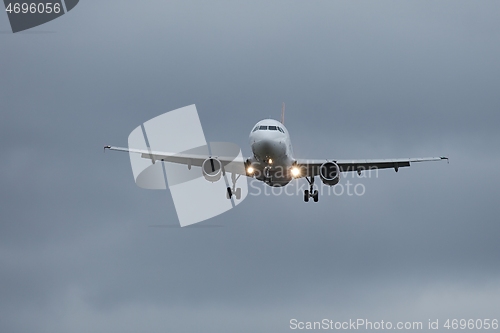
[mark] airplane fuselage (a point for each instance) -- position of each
(272, 152)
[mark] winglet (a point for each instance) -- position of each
(445, 158)
(106, 147)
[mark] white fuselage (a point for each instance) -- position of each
(272, 152)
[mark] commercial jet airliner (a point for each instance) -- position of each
(273, 161)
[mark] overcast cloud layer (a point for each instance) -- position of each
(82, 249)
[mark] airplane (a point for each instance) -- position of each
(273, 161)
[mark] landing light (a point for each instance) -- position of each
(250, 170)
(295, 172)
(270, 161)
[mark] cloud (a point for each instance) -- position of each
(360, 80)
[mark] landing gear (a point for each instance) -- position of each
(267, 175)
(311, 193)
(234, 191)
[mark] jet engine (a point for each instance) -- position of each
(212, 169)
(329, 173)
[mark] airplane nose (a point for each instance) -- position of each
(269, 148)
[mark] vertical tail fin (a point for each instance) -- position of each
(283, 114)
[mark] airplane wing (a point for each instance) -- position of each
(312, 167)
(230, 164)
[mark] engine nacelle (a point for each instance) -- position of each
(329, 172)
(212, 169)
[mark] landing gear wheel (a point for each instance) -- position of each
(311, 193)
(315, 196)
(233, 190)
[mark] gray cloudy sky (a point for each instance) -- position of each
(361, 79)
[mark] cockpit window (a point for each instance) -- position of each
(270, 128)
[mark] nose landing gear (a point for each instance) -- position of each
(311, 193)
(267, 175)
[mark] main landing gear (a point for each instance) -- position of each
(311, 193)
(234, 191)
